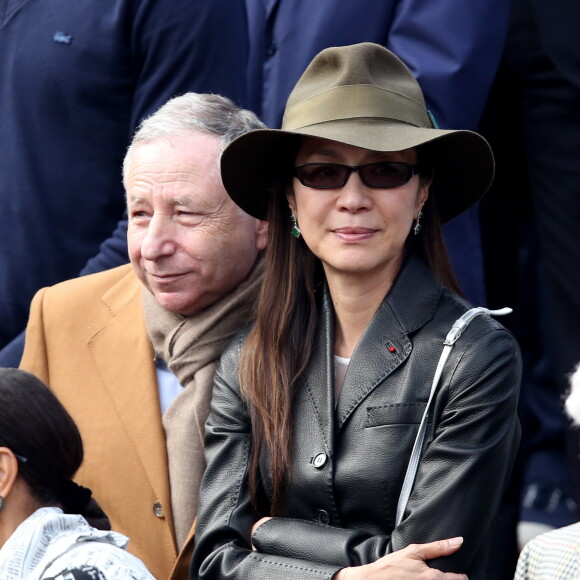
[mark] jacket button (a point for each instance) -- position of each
(271, 50)
(320, 460)
(322, 517)
(158, 509)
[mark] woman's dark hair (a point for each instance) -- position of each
(279, 346)
(37, 428)
(429, 245)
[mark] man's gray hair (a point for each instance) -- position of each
(195, 113)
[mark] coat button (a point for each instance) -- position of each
(158, 509)
(320, 460)
(271, 50)
(322, 517)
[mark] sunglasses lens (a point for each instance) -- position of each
(322, 175)
(385, 175)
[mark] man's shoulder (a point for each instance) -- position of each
(97, 284)
(107, 291)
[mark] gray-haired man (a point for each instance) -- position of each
(131, 351)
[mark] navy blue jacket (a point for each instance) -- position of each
(76, 78)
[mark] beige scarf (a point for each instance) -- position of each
(191, 346)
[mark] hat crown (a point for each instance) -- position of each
(365, 96)
(369, 65)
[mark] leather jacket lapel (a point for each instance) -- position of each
(386, 343)
(373, 360)
(319, 382)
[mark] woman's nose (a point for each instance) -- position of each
(354, 194)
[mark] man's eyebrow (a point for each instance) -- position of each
(186, 201)
(137, 199)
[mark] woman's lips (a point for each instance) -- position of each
(353, 234)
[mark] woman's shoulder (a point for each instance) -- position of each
(452, 307)
(97, 558)
(231, 354)
(483, 346)
(226, 378)
(50, 544)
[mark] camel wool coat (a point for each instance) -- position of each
(99, 362)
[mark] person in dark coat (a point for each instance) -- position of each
(532, 244)
(321, 409)
(77, 79)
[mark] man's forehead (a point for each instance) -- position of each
(179, 153)
(165, 172)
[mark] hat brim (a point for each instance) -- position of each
(462, 160)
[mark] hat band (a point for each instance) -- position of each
(355, 101)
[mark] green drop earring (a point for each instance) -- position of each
(295, 231)
(417, 228)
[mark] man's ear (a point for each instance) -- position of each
(261, 234)
(8, 471)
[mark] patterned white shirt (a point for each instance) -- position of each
(554, 555)
(51, 545)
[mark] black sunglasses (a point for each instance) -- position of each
(381, 175)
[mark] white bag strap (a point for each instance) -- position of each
(456, 330)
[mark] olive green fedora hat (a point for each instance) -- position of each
(361, 95)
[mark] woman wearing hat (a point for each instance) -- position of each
(42, 534)
(317, 408)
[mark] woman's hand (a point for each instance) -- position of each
(406, 564)
(256, 526)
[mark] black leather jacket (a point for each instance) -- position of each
(350, 460)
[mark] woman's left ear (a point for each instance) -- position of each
(291, 200)
(8, 471)
(261, 234)
(423, 195)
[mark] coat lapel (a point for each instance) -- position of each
(271, 7)
(373, 360)
(319, 382)
(9, 9)
(122, 353)
(386, 343)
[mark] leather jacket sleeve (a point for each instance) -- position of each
(458, 486)
(225, 514)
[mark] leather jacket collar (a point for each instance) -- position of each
(409, 305)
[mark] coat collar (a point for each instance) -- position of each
(414, 295)
(383, 346)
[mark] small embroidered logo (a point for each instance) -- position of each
(62, 38)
